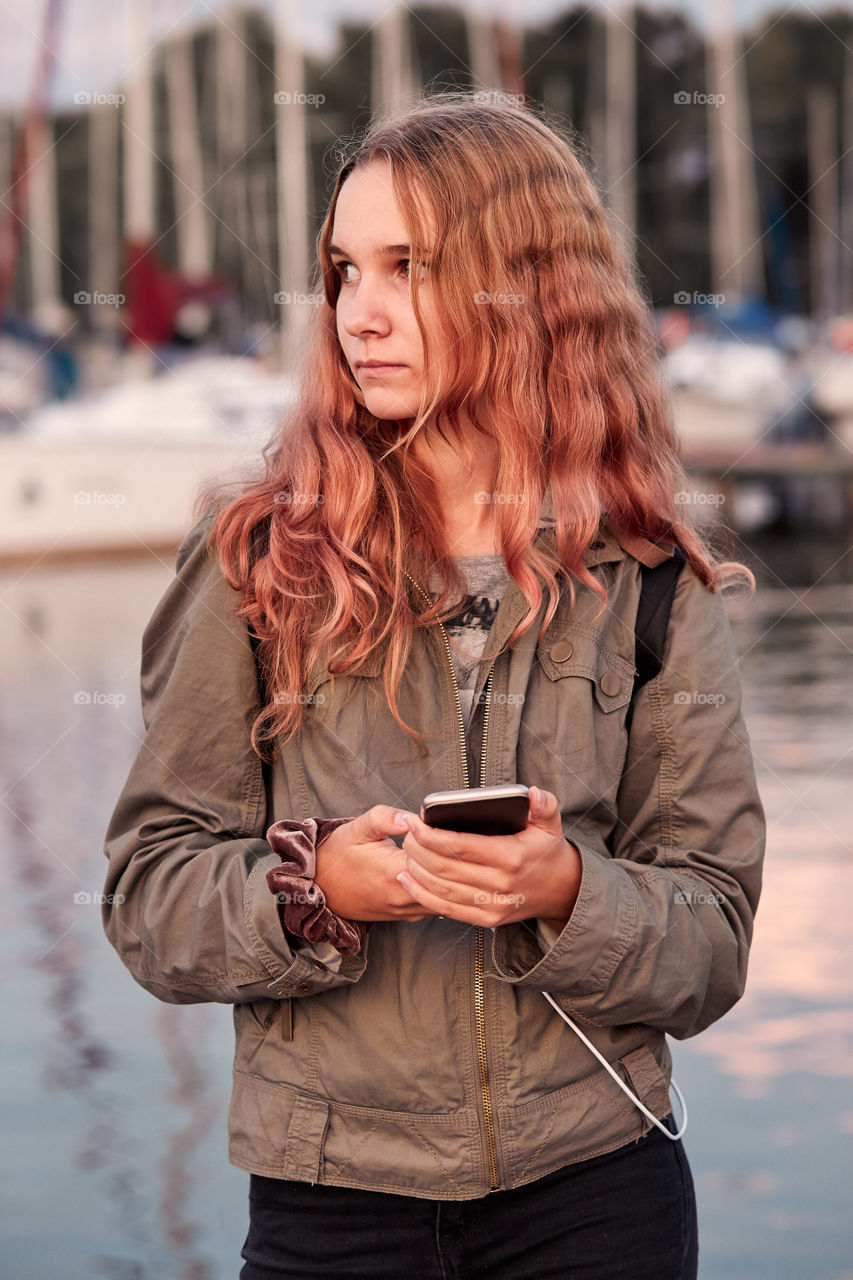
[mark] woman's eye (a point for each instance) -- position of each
(343, 267)
(423, 269)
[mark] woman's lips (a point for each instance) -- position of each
(378, 370)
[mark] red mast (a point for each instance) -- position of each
(12, 226)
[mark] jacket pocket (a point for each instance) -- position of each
(572, 738)
(262, 1013)
(306, 1134)
(643, 1075)
(341, 716)
(582, 654)
(264, 1030)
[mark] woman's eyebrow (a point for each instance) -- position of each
(386, 249)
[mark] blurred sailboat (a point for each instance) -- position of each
(117, 471)
(728, 383)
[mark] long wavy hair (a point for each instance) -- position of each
(567, 384)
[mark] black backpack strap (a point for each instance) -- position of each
(656, 595)
(263, 696)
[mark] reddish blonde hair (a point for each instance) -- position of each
(568, 384)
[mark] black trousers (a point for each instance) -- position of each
(626, 1215)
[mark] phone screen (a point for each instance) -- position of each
(484, 811)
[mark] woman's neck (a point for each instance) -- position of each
(467, 512)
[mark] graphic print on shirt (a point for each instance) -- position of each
(469, 627)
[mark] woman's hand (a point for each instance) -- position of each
(492, 880)
(357, 868)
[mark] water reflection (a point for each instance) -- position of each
(68, 736)
(44, 888)
(136, 1165)
(200, 1109)
(797, 1014)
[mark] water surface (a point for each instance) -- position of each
(114, 1105)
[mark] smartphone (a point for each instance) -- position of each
(485, 811)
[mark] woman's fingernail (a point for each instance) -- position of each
(536, 797)
(400, 820)
(404, 881)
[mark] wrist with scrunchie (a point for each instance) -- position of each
(303, 901)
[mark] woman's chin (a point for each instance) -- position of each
(387, 406)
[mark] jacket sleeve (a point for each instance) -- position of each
(661, 928)
(187, 905)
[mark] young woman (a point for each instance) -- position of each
(436, 586)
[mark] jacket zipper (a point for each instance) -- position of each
(479, 936)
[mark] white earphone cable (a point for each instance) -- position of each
(673, 1137)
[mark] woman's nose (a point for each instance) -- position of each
(365, 309)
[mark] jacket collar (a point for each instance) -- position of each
(609, 544)
(606, 546)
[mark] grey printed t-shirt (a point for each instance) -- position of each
(487, 577)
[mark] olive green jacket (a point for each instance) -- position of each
(430, 1064)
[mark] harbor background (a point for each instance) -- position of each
(155, 277)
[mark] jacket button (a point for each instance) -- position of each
(561, 651)
(610, 684)
(304, 988)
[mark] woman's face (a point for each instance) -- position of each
(375, 320)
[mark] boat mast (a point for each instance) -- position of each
(139, 157)
(620, 122)
(104, 234)
(737, 264)
(846, 179)
(194, 255)
(482, 47)
(231, 188)
(391, 76)
(292, 158)
(43, 223)
(33, 177)
(138, 139)
(824, 242)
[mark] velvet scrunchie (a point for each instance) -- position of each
(305, 912)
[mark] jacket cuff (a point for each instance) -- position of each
(546, 934)
(293, 972)
(304, 910)
(581, 959)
